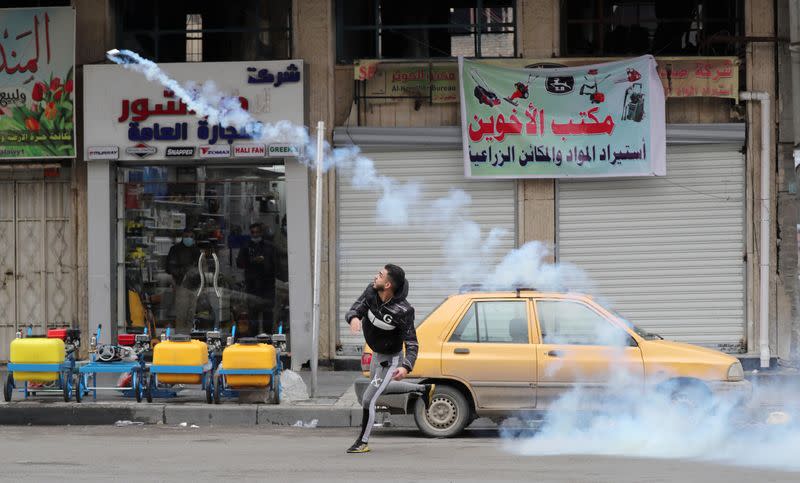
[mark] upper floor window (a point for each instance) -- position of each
(659, 27)
(421, 29)
(205, 31)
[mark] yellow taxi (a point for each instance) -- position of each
(498, 354)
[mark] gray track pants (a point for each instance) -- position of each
(381, 371)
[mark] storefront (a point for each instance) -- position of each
(680, 238)
(668, 252)
(198, 225)
(38, 236)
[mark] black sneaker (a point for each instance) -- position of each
(358, 447)
(427, 395)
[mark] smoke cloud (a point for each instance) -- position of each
(653, 425)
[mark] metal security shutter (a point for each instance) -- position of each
(364, 245)
(667, 252)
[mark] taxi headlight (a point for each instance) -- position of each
(735, 372)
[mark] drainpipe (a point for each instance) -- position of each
(763, 305)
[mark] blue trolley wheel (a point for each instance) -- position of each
(79, 388)
(274, 395)
(66, 386)
(137, 384)
(217, 388)
(8, 389)
(210, 387)
(150, 387)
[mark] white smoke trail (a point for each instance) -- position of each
(396, 200)
(206, 100)
(527, 267)
(465, 251)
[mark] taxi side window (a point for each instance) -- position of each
(502, 321)
(570, 322)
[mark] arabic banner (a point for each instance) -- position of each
(37, 88)
(680, 76)
(602, 120)
(128, 119)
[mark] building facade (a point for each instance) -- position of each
(678, 255)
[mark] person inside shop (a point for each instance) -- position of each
(181, 262)
(258, 259)
(280, 312)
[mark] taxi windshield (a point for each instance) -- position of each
(639, 331)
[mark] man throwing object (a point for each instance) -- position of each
(388, 322)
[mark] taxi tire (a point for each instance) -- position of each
(691, 395)
(445, 398)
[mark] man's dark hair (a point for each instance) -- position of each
(257, 225)
(396, 275)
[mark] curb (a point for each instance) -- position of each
(59, 414)
(320, 417)
(87, 414)
(207, 415)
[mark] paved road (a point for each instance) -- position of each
(163, 453)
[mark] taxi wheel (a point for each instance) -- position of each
(448, 415)
(689, 395)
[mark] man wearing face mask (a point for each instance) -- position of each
(182, 258)
(259, 261)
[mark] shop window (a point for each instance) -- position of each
(206, 247)
(205, 31)
(659, 27)
(422, 29)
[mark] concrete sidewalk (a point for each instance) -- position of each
(335, 405)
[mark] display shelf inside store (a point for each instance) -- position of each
(212, 214)
(179, 203)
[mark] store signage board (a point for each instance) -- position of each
(284, 151)
(601, 120)
(95, 153)
(124, 110)
(37, 85)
